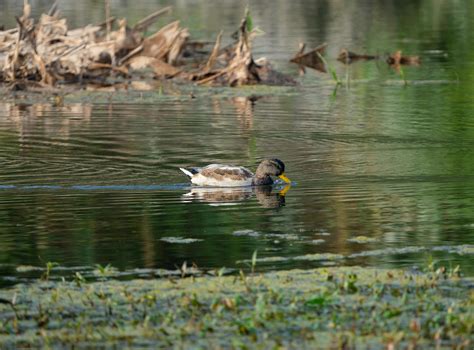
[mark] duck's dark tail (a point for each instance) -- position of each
(189, 172)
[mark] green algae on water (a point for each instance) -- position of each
(287, 309)
(180, 240)
(362, 239)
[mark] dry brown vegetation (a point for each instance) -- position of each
(45, 53)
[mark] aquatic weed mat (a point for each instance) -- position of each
(343, 307)
(160, 93)
(163, 91)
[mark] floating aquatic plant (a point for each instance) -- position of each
(362, 239)
(180, 240)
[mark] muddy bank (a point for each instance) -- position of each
(322, 308)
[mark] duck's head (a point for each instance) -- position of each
(272, 167)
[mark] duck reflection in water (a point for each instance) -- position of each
(268, 196)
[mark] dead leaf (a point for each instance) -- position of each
(348, 57)
(311, 58)
(144, 23)
(396, 59)
(167, 43)
(160, 69)
(213, 56)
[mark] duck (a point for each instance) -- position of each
(220, 175)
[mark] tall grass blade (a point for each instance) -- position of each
(254, 260)
(330, 69)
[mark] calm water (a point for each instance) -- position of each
(97, 183)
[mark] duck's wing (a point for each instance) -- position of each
(220, 172)
(223, 175)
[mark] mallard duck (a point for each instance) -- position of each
(218, 175)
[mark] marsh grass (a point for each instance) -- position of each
(401, 71)
(329, 308)
(248, 19)
(331, 69)
(254, 261)
(49, 266)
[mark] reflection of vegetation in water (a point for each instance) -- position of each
(324, 307)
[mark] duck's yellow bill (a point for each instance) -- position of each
(284, 178)
(283, 191)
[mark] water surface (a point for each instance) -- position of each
(96, 181)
